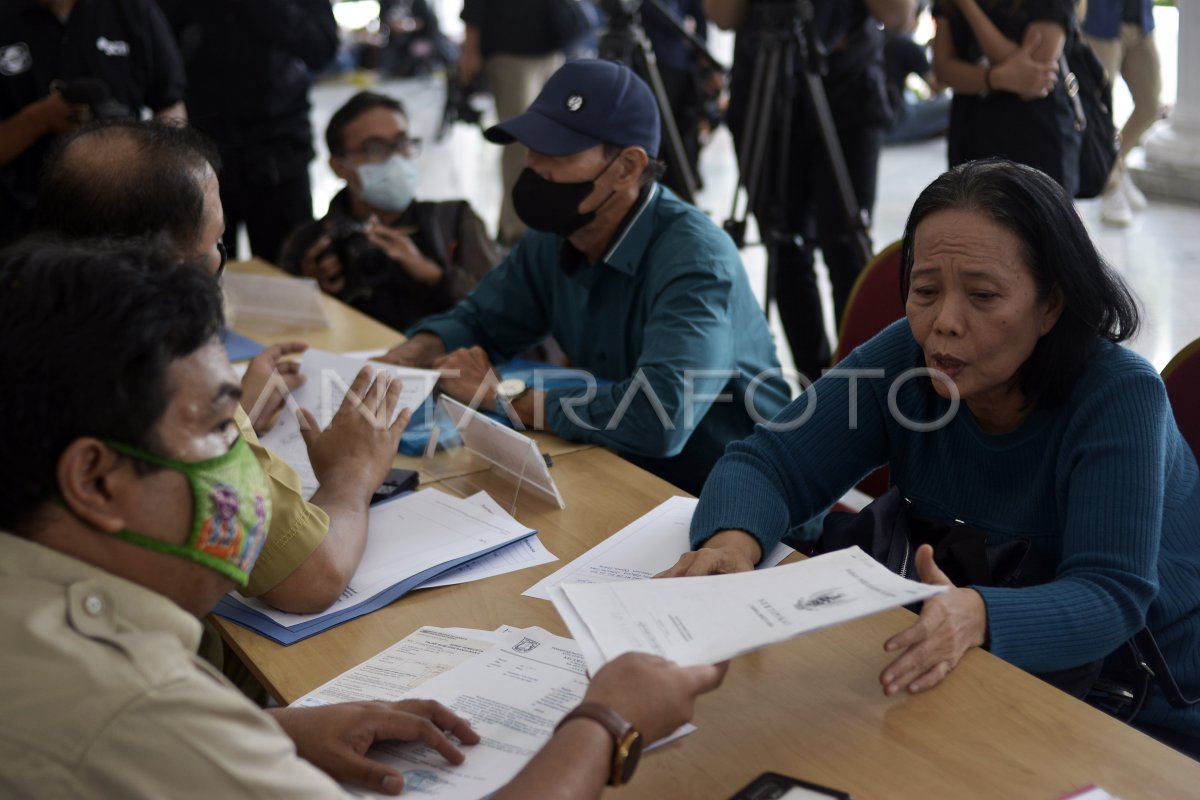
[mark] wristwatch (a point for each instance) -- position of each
(506, 392)
(627, 742)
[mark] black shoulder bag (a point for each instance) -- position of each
(890, 532)
(1091, 101)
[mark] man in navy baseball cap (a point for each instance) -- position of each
(586, 103)
(638, 288)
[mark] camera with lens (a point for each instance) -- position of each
(459, 107)
(364, 266)
(95, 95)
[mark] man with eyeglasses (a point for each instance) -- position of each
(380, 249)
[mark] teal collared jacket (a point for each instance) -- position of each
(666, 315)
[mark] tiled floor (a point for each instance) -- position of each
(1159, 254)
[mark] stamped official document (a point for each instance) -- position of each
(513, 694)
(709, 619)
(422, 655)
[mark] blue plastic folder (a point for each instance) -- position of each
(420, 428)
(249, 618)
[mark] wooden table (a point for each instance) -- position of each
(811, 707)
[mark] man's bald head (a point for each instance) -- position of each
(130, 178)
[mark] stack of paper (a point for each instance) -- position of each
(329, 376)
(412, 539)
(278, 299)
(709, 619)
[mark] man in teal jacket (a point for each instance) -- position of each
(639, 288)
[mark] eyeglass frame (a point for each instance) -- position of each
(406, 146)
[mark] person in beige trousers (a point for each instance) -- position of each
(1121, 32)
(515, 46)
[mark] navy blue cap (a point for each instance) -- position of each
(586, 103)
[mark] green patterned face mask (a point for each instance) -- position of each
(232, 510)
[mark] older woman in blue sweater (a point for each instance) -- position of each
(1003, 399)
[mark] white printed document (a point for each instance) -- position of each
(512, 685)
(642, 549)
(512, 693)
(329, 376)
(709, 619)
(423, 654)
(529, 552)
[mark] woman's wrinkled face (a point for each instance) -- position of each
(974, 307)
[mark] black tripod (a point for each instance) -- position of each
(624, 40)
(786, 40)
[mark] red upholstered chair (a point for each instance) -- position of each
(873, 305)
(1182, 377)
(874, 301)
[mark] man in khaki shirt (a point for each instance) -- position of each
(126, 178)
(130, 504)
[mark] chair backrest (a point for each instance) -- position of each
(1182, 377)
(874, 302)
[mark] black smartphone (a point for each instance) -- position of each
(773, 786)
(395, 484)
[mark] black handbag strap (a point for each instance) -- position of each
(1150, 658)
(1071, 84)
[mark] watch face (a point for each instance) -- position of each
(511, 387)
(629, 750)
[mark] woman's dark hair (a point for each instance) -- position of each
(125, 178)
(1058, 251)
(87, 333)
(354, 108)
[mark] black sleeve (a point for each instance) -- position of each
(305, 29)
(474, 12)
(914, 59)
(1060, 11)
(166, 79)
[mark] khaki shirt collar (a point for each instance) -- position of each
(99, 604)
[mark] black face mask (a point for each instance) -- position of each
(554, 207)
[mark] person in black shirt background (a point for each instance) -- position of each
(248, 68)
(515, 45)
(113, 57)
(848, 32)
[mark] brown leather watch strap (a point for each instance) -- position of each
(627, 743)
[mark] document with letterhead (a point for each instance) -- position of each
(512, 685)
(709, 619)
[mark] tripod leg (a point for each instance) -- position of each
(855, 217)
(755, 133)
(644, 64)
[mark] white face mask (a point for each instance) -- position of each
(390, 185)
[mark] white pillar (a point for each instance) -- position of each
(1172, 148)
